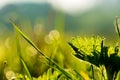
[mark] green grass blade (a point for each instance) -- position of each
(18, 45)
(20, 57)
(26, 69)
(24, 36)
(116, 22)
(39, 51)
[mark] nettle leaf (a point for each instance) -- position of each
(79, 54)
(88, 50)
(95, 52)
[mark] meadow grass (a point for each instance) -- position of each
(102, 62)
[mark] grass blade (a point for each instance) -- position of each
(20, 57)
(116, 22)
(39, 51)
(26, 69)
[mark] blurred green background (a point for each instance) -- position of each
(96, 20)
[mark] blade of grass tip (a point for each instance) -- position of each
(92, 68)
(39, 51)
(21, 59)
(102, 46)
(24, 36)
(116, 22)
(26, 69)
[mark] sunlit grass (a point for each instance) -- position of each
(53, 58)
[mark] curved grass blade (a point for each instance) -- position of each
(26, 69)
(18, 45)
(21, 59)
(116, 23)
(39, 51)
